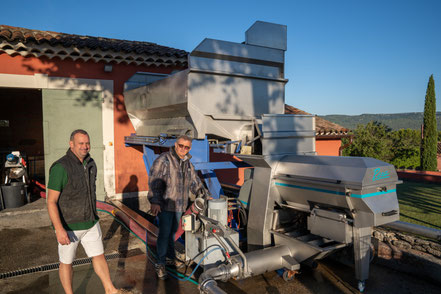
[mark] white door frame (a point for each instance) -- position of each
(43, 81)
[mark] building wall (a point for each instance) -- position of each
(328, 147)
(129, 166)
(228, 176)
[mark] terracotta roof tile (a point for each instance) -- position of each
(322, 126)
(144, 52)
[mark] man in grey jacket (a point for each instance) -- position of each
(172, 176)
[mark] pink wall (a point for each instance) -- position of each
(419, 176)
(128, 161)
(327, 147)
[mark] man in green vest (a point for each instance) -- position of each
(71, 204)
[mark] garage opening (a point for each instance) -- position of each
(21, 129)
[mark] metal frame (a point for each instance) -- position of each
(200, 152)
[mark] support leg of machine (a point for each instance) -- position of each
(362, 243)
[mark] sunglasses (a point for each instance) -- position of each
(184, 146)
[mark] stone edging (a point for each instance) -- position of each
(406, 242)
(407, 253)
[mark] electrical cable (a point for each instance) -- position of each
(202, 252)
(243, 212)
(148, 248)
(199, 263)
(173, 273)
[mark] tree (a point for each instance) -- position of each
(371, 140)
(429, 139)
(400, 148)
(406, 148)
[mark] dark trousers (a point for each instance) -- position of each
(168, 225)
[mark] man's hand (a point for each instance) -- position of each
(155, 209)
(54, 214)
(62, 237)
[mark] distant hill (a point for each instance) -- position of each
(396, 121)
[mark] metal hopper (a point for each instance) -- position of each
(226, 87)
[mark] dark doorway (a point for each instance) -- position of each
(21, 128)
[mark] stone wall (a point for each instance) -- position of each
(405, 241)
(407, 253)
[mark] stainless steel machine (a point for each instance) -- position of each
(301, 207)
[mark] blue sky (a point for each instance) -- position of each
(344, 56)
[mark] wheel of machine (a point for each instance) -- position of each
(361, 286)
(288, 275)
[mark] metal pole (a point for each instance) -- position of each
(2, 206)
(415, 229)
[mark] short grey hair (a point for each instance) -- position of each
(185, 138)
(78, 131)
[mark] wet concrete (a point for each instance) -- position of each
(27, 240)
(137, 274)
(383, 280)
(133, 273)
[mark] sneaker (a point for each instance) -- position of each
(124, 291)
(160, 271)
(174, 262)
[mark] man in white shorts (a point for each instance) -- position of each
(71, 204)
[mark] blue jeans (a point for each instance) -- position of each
(168, 225)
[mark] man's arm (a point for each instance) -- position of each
(157, 185)
(52, 208)
(196, 186)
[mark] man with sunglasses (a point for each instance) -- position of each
(172, 177)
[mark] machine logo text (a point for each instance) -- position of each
(379, 175)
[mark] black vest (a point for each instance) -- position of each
(77, 201)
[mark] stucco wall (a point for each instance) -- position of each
(129, 167)
(327, 147)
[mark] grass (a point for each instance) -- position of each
(420, 203)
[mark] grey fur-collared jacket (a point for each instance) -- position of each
(171, 179)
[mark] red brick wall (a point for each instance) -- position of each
(419, 176)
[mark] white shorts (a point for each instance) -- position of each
(91, 240)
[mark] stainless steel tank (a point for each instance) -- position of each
(364, 185)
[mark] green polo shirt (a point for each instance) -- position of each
(57, 181)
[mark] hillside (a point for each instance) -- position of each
(396, 121)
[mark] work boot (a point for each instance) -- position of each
(174, 262)
(124, 291)
(160, 271)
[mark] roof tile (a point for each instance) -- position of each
(10, 35)
(322, 127)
